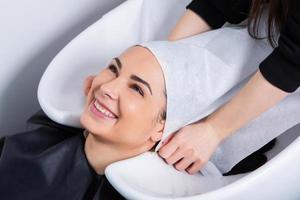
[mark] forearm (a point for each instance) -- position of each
(189, 24)
(257, 96)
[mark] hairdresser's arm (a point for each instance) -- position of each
(205, 15)
(189, 24)
(256, 97)
(194, 144)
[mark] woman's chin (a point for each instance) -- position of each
(92, 126)
(84, 121)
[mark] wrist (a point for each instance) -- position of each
(215, 129)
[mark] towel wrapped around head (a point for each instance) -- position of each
(202, 73)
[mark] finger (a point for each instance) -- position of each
(168, 149)
(195, 167)
(167, 140)
(184, 163)
(176, 156)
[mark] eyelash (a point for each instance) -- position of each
(113, 69)
(138, 89)
(135, 87)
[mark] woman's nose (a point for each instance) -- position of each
(109, 90)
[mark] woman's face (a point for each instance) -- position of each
(125, 101)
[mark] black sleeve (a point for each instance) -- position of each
(282, 67)
(217, 12)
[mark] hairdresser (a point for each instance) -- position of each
(277, 76)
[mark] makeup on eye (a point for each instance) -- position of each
(138, 89)
(113, 69)
(118, 66)
(140, 80)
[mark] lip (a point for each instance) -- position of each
(99, 114)
(106, 107)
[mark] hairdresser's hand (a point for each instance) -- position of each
(87, 84)
(191, 147)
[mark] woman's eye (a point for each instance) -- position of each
(113, 69)
(137, 88)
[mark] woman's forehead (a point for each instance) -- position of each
(140, 61)
(138, 56)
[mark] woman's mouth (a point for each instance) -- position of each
(100, 111)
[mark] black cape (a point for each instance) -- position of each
(49, 163)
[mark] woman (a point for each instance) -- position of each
(277, 77)
(123, 116)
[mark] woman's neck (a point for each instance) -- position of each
(100, 155)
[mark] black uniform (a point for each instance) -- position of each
(282, 67)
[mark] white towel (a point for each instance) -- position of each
(202, 73)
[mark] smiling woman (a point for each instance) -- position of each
(141, 97)
(124, 116)
(124, 108)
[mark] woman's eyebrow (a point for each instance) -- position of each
(136, 78)
(133, 77)
(119, 64)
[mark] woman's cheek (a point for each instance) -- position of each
(133, 113)
(90, 95)
(90, 98)
(132, 108)
(135, 110)
(131, 135)
(97, 82)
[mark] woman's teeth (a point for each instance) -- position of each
(103, 110)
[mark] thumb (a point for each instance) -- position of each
(167, 139)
